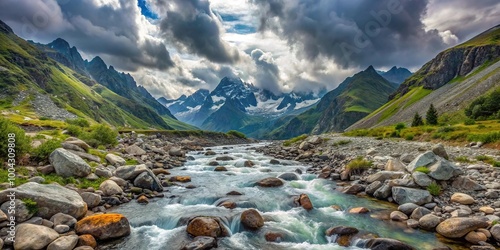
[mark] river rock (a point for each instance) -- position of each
(110, 188)
(204, 226)
(419, 212)
(274, 162)
(71, 147)
(475, 237)
(383, 192)
(403, 195)
(180, 178)
(270, 182)
(130, 172)
(135, 150)
(398, 216)
(305, 202)
(63, 219)
(248, 164)
(67, 164)
(462, 198)
(252, 219)
(176, 151)
(50, 199)
(87, 240)
(372, 187)
(384, 175)
(465, 183)
(224, 158)
(429, 222)
(201, 243)
(440, 151)
(103, 172)
(421, 179)
(22, 213)
(115, 160)
(305, 146)
(395, 165)
(213, 163)
(220, 169)
(148, 180)
(444, 170)
(61, 229)
(273, 236)
(385, 244)
(458, 227)
(424, 159)
(495, 232)
(289, 176)
(104, 226)
(91, 199)
(359, 210)
(209, 153)
(354, 189)
(29, 236)
(341, 230)
(64, 243)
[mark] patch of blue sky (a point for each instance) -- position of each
(145, 11)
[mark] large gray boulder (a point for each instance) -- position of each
(402, 195)
(50, 198)
(67, 164)
(29, 236)
(148, 180)
(444, 170)
(421, 179)
(130, 172)
(91, 199)
(22, 213)
(78, 142)
(424, 159)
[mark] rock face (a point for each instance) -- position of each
(29, 236)
(252, 219)
(402, 195)
(459, 227)
(270, 182)
(50, 199)
(67, 164)
(205, 226)
(104, 226)
(386, 244)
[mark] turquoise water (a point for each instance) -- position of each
(161, 223)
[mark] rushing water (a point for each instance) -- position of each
(162, 223)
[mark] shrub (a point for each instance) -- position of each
(400, 126)
(394, 134)
(31, 205)
(22, 142)
(446, 129)
(485, 107)
(485, 138)
(409, 137)
(78, 122)
(359, 164)
(236, 134)
(496, 164)
(422, 169)
(74, 130)
(43, 151)
(434, 189)
(417, 120)
(43, 118)
(101, 135)
(469, 121)
(432, 116)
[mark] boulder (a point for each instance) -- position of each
(462, 198)
(444, 170)
(475, 237)
(421, 179)
(209, 153)
(359, 210)
(176, 151)
(403, 195)
(383, 176)
(71, 147)
(305, 146)
(248, 164)
(341, 230)
(398, 216)
(224, 158)
(386, 244)
(87, 240)
(270, 182)
(495, 232)
(91, 199)
(213, 163)
(130, 172)
(274, 162)
(487, 210)
(395, 165)
(67, 164)
(459, 227)
(29, 236)
(180, 178)
(315, 140)
(205, 226)
(439, 150)
(354, 189)
(252, 219)
(115, 160)
(61, 229)
(104, 226)
(135, 150)
(424, 159)
(86, 156)
(64, 243)
(220, 169)
(408, 208)
(148, 180)
(429, 222)
(305, 202)
(78, 142)
(103, 172)
(63, 219)
(50, 199)
(143, 199)
(289, 176)
(110, 188)
(372, 187)
(201, 243)
(21, 212)
(465, 183)
(383, 192)
(419, 212)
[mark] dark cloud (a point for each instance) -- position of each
(107, 30)
(193, 26)
(354, 33)
(268, 73)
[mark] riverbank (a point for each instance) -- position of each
(466, 189)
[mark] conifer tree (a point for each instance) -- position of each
(432, 116)
(417, 120)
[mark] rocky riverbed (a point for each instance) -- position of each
(465, 202)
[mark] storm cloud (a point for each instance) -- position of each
(354, 33)
(267, 75)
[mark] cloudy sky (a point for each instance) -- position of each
(175, 47)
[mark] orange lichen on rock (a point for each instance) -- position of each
(104, 226)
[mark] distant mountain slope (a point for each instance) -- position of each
(27, 73)
(353, 99)
(450, 81)
(396, 75)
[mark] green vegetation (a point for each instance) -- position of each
(464, 159)
(31, 205)
(131, 162)
(74, 130)
(43, 151)
(78, 182)
(434, 189)
(400, 126)
(80, 122)
(494, 222)
(101, 135)
(485, 107)
(422, 169)
(299, 138)
(409, 137)
(20, 143)
(432, 116)
(4, 177)
(359, 164)
(341, 142)
(236, 134)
